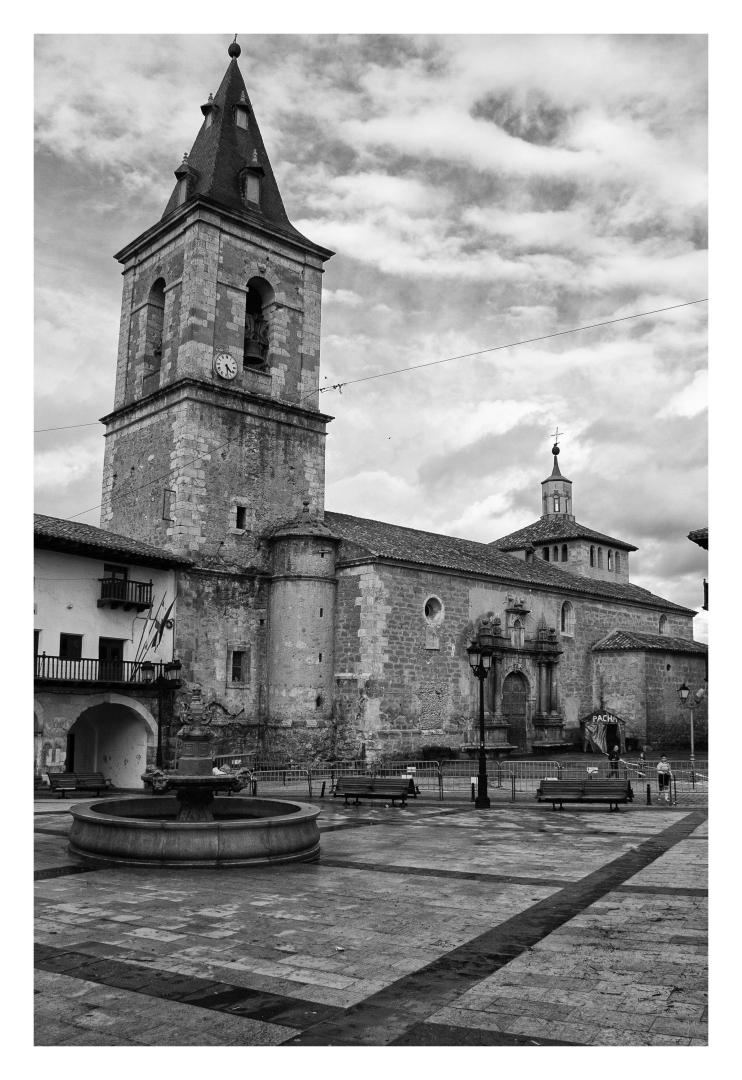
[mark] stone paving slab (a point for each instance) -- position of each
(433, 925)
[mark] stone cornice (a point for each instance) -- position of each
(540, 587)
(253, 222)
(237, 400)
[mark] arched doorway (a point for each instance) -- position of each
(109, 738)
(514, 709)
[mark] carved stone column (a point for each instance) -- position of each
(543, 693)
(554, 688)
(497, 687)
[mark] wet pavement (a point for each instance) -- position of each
(434, 925)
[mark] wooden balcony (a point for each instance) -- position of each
(130, 595)
(57, 669)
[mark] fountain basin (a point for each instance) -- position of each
(246, 831)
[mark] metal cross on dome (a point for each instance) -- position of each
(556, 435)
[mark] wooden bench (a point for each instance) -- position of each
(372, 787)
(66, 782)
(612, 792)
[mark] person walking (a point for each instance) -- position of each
(614, 757)
(664, 775)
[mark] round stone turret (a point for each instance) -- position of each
(301, 620)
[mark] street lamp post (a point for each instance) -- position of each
(686, 699)
(480, 659)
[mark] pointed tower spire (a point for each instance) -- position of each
(228, 164)
(556, 490)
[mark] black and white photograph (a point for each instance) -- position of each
(371, 685)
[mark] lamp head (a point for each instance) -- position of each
(683, 691)
(148, 671)
(475, 655)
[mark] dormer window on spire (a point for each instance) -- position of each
(241, 112)
(208, 110)
(251, 181)
(186, 176)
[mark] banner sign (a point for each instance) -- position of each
(594, 731)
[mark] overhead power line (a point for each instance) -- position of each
(65, 427)
(396, 371)
(511, 345)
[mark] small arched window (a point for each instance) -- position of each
(555, 554)
(565, 553)
(517, 634)
(545, 554)
(600, 558)
(557, 504)
(592, 555)
(433, 610)
(618, 562)
(610, 560)
(663, 624)
(568, 618)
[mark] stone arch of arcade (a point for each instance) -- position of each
(113, 735)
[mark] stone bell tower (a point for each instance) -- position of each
(216, 435)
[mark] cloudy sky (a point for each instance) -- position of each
(478, 190)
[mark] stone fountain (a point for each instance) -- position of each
(196, 828)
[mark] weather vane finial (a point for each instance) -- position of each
(555, 447)
(234, 50)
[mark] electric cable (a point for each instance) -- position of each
(396, 371)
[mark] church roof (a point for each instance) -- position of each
(383, 540)
(630, 639)
(75, 538)
(555, 528)
(223, 150)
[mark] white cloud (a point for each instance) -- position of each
(479, 189)
(341, 296)
(689, 401)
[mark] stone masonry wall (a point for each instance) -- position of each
(213, 459)
(402, 695)
(668, 722)
(218, 613)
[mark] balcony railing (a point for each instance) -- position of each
(115, 592)
(60, 669)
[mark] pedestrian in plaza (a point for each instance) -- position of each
(614, 757)
(664, 775)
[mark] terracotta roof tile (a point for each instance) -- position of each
(386, 541)
(546, 530)
(629, 639)
(58, 534)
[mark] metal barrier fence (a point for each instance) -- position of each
(511, 781)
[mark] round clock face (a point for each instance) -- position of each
(225, 365)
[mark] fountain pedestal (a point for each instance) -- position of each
(205, 832)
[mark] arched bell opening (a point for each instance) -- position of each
(258, 305)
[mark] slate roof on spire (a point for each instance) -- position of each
(222, 150)
(555, 473)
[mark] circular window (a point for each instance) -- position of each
(433, 610)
